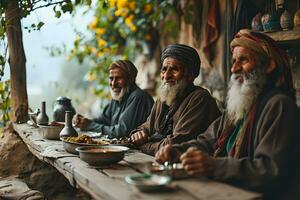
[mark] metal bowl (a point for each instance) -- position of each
(148, 182)
(175, 170)
(50, 132)
(102, 155)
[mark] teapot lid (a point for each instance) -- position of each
(63, 99)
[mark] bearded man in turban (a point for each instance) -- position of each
(252, 145)
(182, 109)
(129, 108)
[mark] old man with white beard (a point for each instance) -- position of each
(253, 144)
(129, 107)
(182, 109)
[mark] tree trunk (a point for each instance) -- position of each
(17, 62)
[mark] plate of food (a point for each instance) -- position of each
(71, 143)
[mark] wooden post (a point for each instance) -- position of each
(17, 62)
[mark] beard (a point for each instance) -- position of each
(241, 95)
(169, 94)
(118, 96)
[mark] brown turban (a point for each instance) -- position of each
(267, 48)
(187, 55)
(128, 67)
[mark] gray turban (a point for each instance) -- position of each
(187, 55)
(126, 66)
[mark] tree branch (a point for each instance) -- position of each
(48, 4)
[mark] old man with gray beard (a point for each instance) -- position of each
(254, 143)
(129, 107)
(182, 109)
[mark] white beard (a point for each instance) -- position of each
(169, 94)
(118, 97)
(242, 95)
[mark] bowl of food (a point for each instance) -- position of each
(101, 155)
(51, 131)
(148, 182)
(71, 143)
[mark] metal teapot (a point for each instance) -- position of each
(61, 105)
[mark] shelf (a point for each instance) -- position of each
(285, 36)
(287, 39)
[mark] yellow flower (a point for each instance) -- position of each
(112, 3)
(91, 76)
(133, 28)
(118, 12)
(122, 3)
(94, 23)
(128, 20)
(101, 43)
(148, 8)
(132, 5)
(100, 31)
(124, 12)
(99, 54)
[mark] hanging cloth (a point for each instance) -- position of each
(212, 31)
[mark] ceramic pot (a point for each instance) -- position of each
(68, 130)
(286, 22)
(256, 24)
(270, 22)
(297, 19)
(61, 105)
(42, 118)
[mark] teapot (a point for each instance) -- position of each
(61, 105)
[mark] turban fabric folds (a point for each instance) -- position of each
(266, 47)
(187, 55)
(126, 66)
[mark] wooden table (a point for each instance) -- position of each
(109, 183)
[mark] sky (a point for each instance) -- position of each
(54, 32)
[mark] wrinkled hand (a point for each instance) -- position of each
(195, 161)
(80, 122)
(139, 138)
(167, 153)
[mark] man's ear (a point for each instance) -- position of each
(271, 66)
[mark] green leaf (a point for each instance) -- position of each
(39, 25)
(57, 14)
(68, 7)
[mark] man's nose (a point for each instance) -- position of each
(235, 68)
(113, 82)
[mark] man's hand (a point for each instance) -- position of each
(139, 138)
(195, 161)
(80, 122)
(167, 153)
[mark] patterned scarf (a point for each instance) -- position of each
(243, 143)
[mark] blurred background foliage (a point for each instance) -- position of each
(122, 29)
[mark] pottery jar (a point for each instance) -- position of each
(61, 105)
(68, 130)
(42, 118)
(256, 23)
(286, 22)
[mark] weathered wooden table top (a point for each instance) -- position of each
(109, 183)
